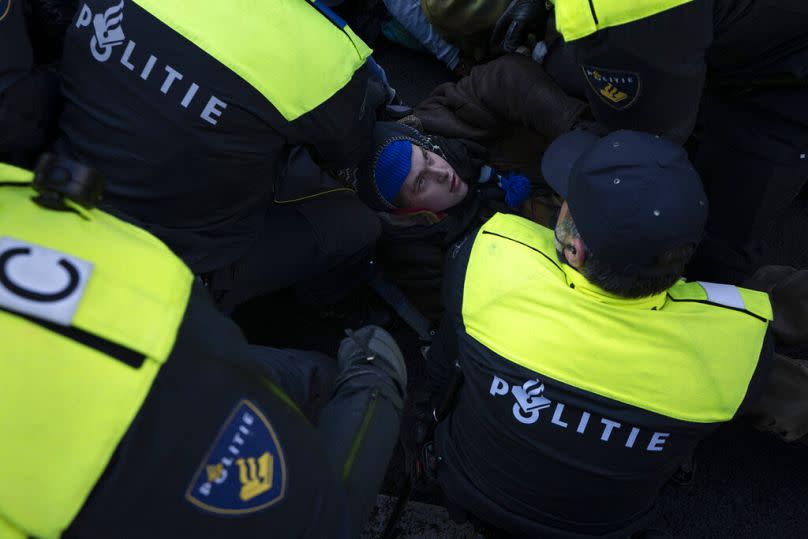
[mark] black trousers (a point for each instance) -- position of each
(753, 160)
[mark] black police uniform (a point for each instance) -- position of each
(563, 454)
(744, 65)
(190, 149)
(192, 432)
(155, 483)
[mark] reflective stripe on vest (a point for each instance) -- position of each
(66, 402)
(289, 51)
(579, 18)
(673, 354)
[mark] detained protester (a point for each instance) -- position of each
(564, 423)
(193, 124)
(743, 69)
(468, 151)
(130, 407)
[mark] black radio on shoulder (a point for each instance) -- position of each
(57, 179)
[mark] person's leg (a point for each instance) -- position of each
(753, 161)
(360, 424)
(306, 377)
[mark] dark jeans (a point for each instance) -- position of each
(358, 420)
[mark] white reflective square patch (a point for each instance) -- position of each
(41, 282)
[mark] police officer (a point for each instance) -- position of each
(652, 66)
(129, 407)
(565, 424)
(191, 111)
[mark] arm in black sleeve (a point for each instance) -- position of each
(29, 111)
(777, 399)
(28, 94)
(788, 289)
(648, 75)
(337, 132)
(16, 54)
(760, 379)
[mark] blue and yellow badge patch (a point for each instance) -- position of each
(618, 89)
(5, 7)
(245, 470)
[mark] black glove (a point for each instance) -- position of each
(373, 345)
(511, 27)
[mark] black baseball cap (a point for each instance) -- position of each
(632, 195)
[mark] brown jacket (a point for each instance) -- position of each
(510, 105)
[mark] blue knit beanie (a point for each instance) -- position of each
(392, 168)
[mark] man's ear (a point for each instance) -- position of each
(576, 253)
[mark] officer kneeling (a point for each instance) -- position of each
(590, 369)
(130, 408)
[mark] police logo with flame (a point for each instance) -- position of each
(618, 89)
(245, 471)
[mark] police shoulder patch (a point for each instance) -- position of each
(245, 470)
(618, 89)
(5, 7)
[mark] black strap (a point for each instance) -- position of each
(394, 297)
(123, 354)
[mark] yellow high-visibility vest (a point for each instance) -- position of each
(65, 399)
(579, 18)
(688, 353)
(289, 51)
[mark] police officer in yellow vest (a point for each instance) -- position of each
(129, 407)
(191, 109)
(590, 370)
(741, 65)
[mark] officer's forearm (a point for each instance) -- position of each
(788, 289)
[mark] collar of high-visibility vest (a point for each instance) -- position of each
(9, 174)
(579, 283)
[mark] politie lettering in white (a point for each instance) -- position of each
(530, 401)
(234, 448)
(109, 33)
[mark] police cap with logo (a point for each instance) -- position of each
(632, 195)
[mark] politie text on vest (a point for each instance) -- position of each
(109, 36)
(529, 402)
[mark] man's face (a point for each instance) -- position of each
(432, 183)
